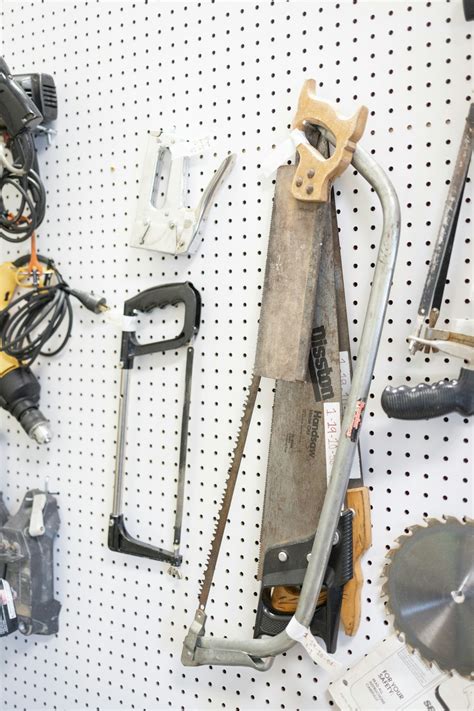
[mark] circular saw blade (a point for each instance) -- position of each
(429, 585)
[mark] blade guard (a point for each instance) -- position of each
(314, 174)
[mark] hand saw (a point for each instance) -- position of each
(258, 653)
(297, 230)
(305, 431)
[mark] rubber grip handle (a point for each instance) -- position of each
(17, 110)
(159, 297)
(428, 401)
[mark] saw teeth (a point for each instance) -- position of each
(427, 656)
(255, 381)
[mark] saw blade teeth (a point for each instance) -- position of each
(238, 453)
(395, 578)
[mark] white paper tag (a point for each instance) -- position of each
(301, 634)
(332, 433)
(118, 319)
(345, 367)
(282, 152)
(392, 678)
(185, 148)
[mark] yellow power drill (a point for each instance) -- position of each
(19, 388)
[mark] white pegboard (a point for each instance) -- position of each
(232, 70)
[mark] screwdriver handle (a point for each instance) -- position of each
(427, 401)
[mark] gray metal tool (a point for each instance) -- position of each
(429, 587)
(426, 401)
(119, 539)
(27, 554)
(199, 649)
(173, 227)
(357, 496)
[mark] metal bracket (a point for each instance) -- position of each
(442, 341)
(173, 227)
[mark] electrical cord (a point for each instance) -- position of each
(31, 320)
(26, 183)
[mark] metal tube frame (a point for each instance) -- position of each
(259, 653)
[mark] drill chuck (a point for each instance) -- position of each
(19, 395)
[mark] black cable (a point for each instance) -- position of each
(39, 315)
(29, 214)
(31, 320)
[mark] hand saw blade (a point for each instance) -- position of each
(290, 284)
(305, 423)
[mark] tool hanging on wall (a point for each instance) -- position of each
(426, 401)
(27, 323)
(27, 556)
(323, 362)
(429, 591)
(305, 428)
(28, 103)
(357, 496)
(173, 227)
(279, 307)
(305, 432)
(119, 539)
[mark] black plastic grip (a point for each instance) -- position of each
(120, 541)
(155, 298)
(423, 402)
(17, 110)
(339, 571)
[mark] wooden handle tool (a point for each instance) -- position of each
(357, 499)
(314, 174)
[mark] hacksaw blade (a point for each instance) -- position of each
(305, 424)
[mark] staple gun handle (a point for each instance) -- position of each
(159, 297)
(424, 401)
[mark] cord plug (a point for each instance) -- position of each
(93, 303)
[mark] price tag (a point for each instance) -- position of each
(301, 634)
(332, 432)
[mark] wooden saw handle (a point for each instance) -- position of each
(313, 175)
(357, 500)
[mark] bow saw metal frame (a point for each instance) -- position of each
(259, 653)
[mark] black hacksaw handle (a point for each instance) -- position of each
(427, 401)
(159, 297)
